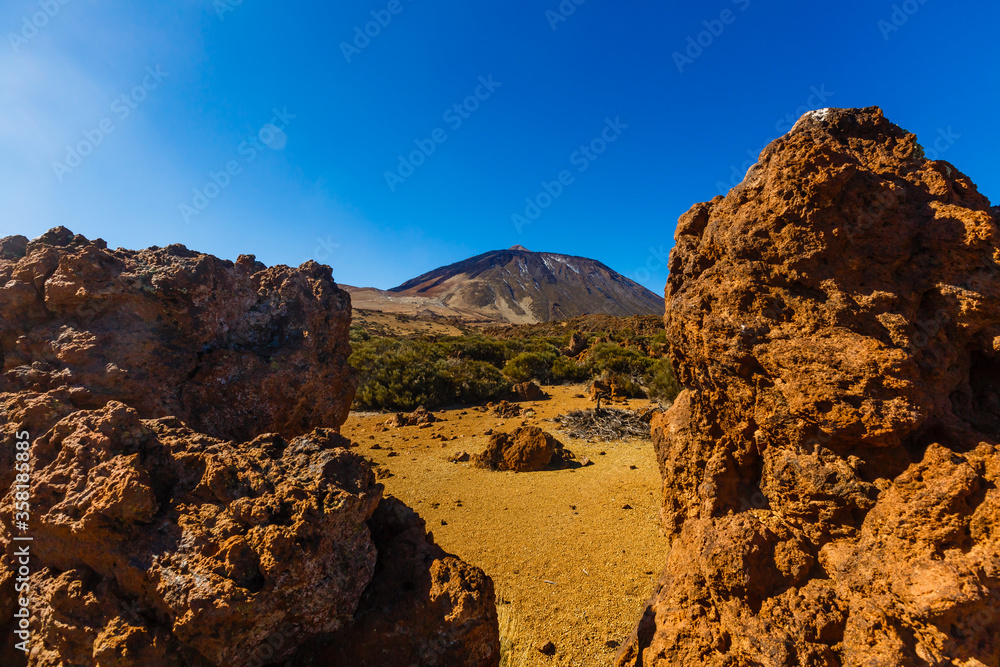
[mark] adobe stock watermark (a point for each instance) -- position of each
(581, 158)
(324, 249)
(899, 17)
(30, 26)
(271, 136)
(562, 13)
(121, 108)
(223, 7)
(817, 98)
(455, 116)
(697, 44)
(21, 489)
(657, 259)
(944, 140)
(363, 36)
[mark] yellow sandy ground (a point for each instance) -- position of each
(570, 564)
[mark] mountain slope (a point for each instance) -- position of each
(520, 286)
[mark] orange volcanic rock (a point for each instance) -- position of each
(233, 350)
(527, 449)
(418, 417)
(527, 391)
(163, 542)
(831, 470)
(155, 544)
(424, 607)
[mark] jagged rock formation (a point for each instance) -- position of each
(166, 547)
(424, 607)
(519, 286)
(234, 532)
(831, 470)
(162, 329)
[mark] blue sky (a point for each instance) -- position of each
(299, 131)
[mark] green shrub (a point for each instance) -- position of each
(359, 335)
(610, 359)
(403, 375)
(566, 370)
(661, 384)
(476, 348)
(399, 374)
(476, 381)
(530, 366)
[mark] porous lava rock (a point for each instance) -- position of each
(527, 391)
(418, 417)
(830, 472)
(424, 606)
(192, 503)
(232, 349)
(527, 449)
(506, 409)
(156, 545)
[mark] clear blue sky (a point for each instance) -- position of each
(315, 185)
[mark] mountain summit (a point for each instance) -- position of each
(520, 286)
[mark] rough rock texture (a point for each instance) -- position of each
(423, 607)
(233, 350)
(831, 470)
(418, 417)
(506, 409)
(577, 345)
(168, 547)
(528, 391)
(162, 541)
(527, 449)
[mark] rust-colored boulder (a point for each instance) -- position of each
(527, 449)
(830, 471)
(231, 349)
(577, 345)
(419, 417)
(157, 544)
(527, 391)
(162, 546)
(423, 607)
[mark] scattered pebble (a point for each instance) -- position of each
(546, 648)
(626, 507)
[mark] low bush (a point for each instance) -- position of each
(530, 366)
(607, 359)
(403, 375)
(566, 370)
(661, 384)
